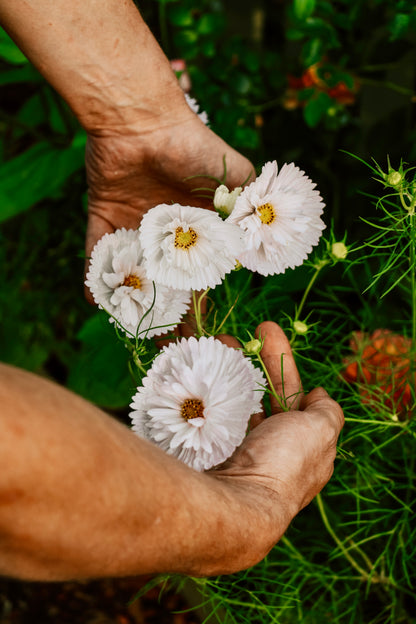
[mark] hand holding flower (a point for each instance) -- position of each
(288, 457)
(109, 503)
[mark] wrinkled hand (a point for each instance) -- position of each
(289, 456)
(135, 168)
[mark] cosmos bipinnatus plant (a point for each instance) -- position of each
(349, 556)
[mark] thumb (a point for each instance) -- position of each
(278, 359)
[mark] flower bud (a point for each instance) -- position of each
(224, 200)
(339, 251)
(394, 178)
(253, 347)
(300, 328)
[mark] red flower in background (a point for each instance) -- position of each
(340, 92)
(384, 368)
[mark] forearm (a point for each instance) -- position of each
(99, 55)
(81, 496)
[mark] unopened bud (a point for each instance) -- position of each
(253, 347)
(224, 200)
(339, 251)
(300, 328)
(394, 178)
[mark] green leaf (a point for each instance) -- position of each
(210, 23)
(27, 73)
(316, 108)
(100, 374)
(33, 112)
(294, 34)
(399, 26)
(241, 83)
(181, 16)
(208, 48)
(303, 8)
(24, 344)
(36, 174)
(186, 37)
(9, 50)
(306, 94)
(247, 137)
(312, 51)
(56, 111)
(251, 60)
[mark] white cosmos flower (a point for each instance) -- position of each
(188, 248)
(193, 105)
(196, 401)
(119, 284)
(280, 216)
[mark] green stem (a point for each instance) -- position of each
(412, 260)
(280, 399)
(365, 576)
(410, 207)
(318, 269)
(308, 288)
(137, 361)
(231, 306)
(336, 539)
(197, 301)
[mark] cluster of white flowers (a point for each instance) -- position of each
(197, 398)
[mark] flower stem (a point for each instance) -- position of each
(231, 306)
(318, 269)
(138, 363)
(280, 399)
(336, 539)
(412, 260)
(197, 301)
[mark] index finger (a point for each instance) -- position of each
(278, 359)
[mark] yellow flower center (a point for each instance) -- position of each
(132, 280)
(192, 408)
(185, 240)
(266, 213)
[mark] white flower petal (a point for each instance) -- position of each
(188, 248)
(279, 214)
(120, 285)
(193, 104)
(221, 382)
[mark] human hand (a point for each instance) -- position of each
(287, 458)
(136, 167)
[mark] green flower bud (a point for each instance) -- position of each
(339, 251)
(300, 328)
(253, 347)
(394, 178)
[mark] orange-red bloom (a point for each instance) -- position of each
(384, 368)
(311, 78)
